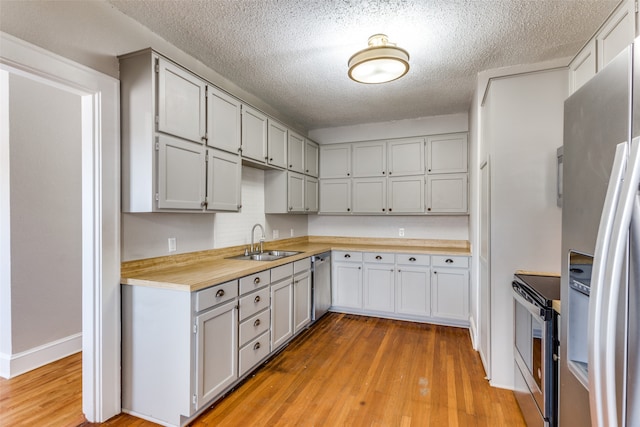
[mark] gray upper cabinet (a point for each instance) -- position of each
(224, 175)
(335, 161)
(406, 157)
(311, 156)
(296, 152)
(277, 144)
(181, 102)
(254, 134)
(369, 159)
(447, 153)
(223, 121)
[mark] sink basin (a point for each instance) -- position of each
(265, 256)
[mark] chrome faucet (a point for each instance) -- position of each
(262, 238)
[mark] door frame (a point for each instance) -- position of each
(100, 106)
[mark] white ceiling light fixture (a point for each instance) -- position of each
(381, 62)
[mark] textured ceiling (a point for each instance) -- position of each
(293, 53)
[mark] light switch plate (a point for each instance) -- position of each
(401, 232)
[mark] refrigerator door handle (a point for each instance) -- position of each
(597, 297)
(613, 276)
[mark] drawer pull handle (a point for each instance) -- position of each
(347, 256)
(412, 259)
(256, 346)
(220, 293)
(449, 261)
(378, 257)
(256, 299)
(256, 323)
(256, 280)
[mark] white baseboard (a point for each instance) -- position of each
(12, 365)
(473, 332)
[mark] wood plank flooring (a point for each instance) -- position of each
(346, 371)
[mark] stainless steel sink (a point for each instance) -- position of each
(265, 256)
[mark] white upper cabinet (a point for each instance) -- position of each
(277, 144)
(311, 158)
(254, 134)
(583, 66)
(296, 152)
(181, 102)
(223, 121)
(406, 157)
(181, 174)
(369, 159)
(296, 186)
(369, 195)
(335, 161)
(224, 172)
(447, 193)
(335, 196)
(405, 194)
(447, 153)
(310, 194)
(617, 33)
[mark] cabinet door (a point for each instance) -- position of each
(335, 196)
(180, 174)
(369, 159)
(379, 287)
(583, 66)
(406, 157)
(617, 33)
(335, 161)
(447, 153)
(181, 102)
(281, 313)
(223, 121)
(447, 193)
(295, 192)
(406, 194)
(346, 285)
(301, 301)
(216, 351)
(296, 152)
(254, 134)
(413, 290)
(311, 158)
(277, 144)
(370, 195)
(223, 181)
(450, 294)
(310, 194)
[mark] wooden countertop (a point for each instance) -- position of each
(198, 270)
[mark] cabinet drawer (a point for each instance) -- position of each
(254, 352)
(450, 261)
(254, 326)
(302, 265)
(216, 294)
(379, 257)
(253, 303)
(281, 272)
(346, 256)
(413, 259)
(253, 282)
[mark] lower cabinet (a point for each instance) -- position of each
(428, 288)
(281, 313)
(301, 300)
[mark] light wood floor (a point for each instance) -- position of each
(346, 371)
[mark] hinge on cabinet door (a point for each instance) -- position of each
(194, 399)
(157, 65)
(157, 197)
(157, 119)
(636, 2)
(157, 143)
(195, 328)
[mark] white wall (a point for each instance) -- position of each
(522, 121)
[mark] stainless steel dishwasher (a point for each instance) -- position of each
(321, 284)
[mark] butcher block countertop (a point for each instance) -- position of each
(198, 270)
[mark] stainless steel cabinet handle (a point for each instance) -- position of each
(256, 280)
(449, 261)
(256, 323)
(256, 299)
(220, 293)
(378, 257)
(412, 259)
(256, 346)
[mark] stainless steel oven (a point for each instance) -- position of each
(535, 349)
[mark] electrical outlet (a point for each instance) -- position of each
(401, 232)
(292, 232)
(172, 244)
(276, 234)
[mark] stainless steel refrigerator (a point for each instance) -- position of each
(600, 320)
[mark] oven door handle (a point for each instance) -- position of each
(534, 309)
